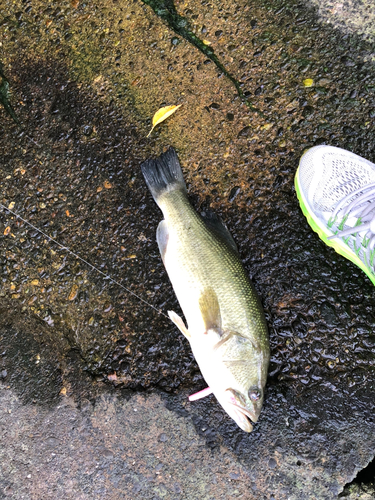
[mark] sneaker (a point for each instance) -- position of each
(336, 191)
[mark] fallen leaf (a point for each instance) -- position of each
(107, 185)
(136, 81)
(32, 300)
(6, 231)
(266, 126)
(162, 114)
(11, 205)
(308, 82)
(99, 80)
(73, 292)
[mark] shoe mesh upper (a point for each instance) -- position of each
(306, 171)
(341, 173)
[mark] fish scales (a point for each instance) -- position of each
(207, 261)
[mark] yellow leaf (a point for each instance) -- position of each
(308, 82)
(162, 114)
(266, 126)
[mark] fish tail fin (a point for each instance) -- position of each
(163, 174)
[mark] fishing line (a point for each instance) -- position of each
(83, 260)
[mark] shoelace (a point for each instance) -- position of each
(363, 208)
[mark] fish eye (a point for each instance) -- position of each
(255, 394)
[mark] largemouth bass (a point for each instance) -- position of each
(226, 329)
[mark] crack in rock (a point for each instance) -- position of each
(166, 10)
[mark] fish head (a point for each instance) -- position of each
(236, 371)
(244, 408)
(233, 363)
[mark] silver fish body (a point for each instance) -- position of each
(226, 325)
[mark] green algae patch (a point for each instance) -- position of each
(5, 96)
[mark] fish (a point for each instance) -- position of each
(226, 328)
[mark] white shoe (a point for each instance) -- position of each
(336, 191)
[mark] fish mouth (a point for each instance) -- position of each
(244, 418)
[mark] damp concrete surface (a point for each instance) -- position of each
(94, 379)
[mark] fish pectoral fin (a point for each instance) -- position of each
(179, 323)
(162, 237)
(201, 394)
(210, 310)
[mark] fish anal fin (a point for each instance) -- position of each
(210, 310)
(175, 318)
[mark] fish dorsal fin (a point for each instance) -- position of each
(210, 310)
(215, 223)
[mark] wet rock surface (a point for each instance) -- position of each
(85, 82)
